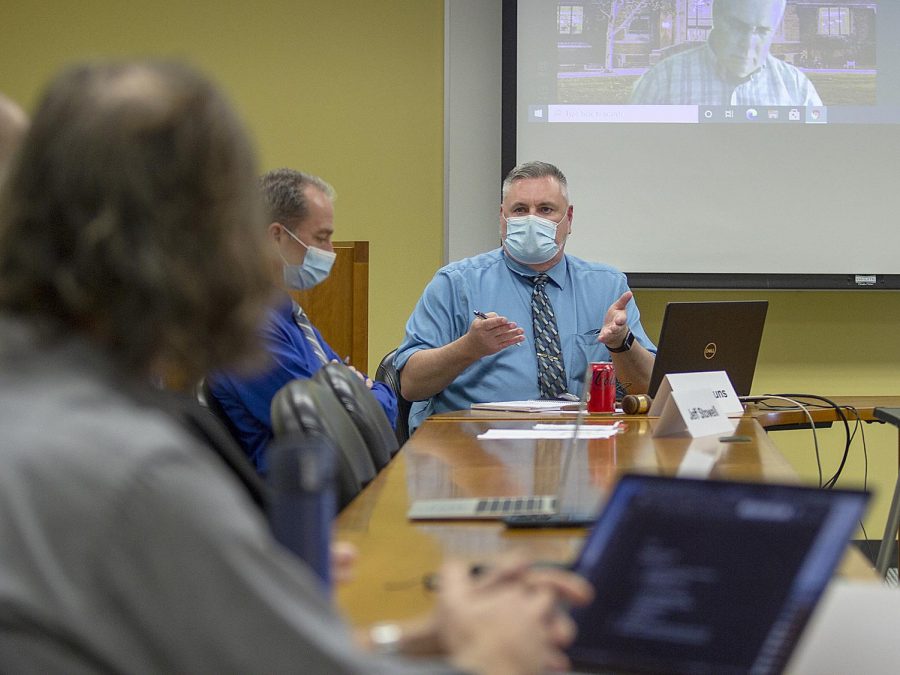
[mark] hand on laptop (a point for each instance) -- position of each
(508, 619)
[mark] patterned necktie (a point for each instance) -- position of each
(304, 324)
(551, 369)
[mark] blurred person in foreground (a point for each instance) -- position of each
(130, 249)
(13, 125)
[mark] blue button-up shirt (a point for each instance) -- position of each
(247, 399)
(581, 292)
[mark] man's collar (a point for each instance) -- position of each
(557, 273)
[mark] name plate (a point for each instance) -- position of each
(694, 411)
(716, 382)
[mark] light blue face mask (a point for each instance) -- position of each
(531, 239)
(314, 269)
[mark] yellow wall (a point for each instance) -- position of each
(353, 91)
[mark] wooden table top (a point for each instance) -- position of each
(771, 414)
(445, 459)
(779, 413)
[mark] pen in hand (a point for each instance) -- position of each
(482, 315)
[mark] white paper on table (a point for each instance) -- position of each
(592, 431)
(549, 426)
(527, 406)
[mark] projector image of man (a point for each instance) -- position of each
(733, 67)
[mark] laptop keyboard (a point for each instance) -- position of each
(507, 505)
(485, 507)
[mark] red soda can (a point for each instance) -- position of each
(602, 395)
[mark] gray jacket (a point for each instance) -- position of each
(126, 546)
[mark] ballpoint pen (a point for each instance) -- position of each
(482, 315)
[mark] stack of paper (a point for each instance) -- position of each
(552, 431)
(527, 406)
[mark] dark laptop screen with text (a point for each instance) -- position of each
(705, 576)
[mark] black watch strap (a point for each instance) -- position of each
(626, 344)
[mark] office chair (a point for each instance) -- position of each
(388, 374)
(205, 398)
(308, 406)
(199, 412)
(363, 408)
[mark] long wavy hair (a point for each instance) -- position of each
(132, 216)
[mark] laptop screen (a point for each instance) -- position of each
(696, 576)
(705, 336)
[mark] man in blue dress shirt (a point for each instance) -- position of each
(451, 357)
(301, 210)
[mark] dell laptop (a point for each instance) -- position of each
(707, 336)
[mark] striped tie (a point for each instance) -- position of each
(551, 369)
(304, 324)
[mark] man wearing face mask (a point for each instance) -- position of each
(548, 314)
(301, 225)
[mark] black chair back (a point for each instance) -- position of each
(309, 406)
(363, 408)
(388, 374)
(205, 398)
(212, 430)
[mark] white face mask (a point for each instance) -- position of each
(531, 239)
(314, 269)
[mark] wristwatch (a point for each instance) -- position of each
(625, 346)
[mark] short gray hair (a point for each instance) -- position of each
(719, 4)
(283, 193)
(535, 170)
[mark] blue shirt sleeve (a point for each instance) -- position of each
(388, 400)
(247, 398)
(434, 322)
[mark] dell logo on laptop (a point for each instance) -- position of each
(709, 350)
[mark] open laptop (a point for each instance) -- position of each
(536, 509)
(705, 336)
(701, 576)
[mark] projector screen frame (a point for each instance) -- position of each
(665, 280)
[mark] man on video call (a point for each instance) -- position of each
(524, 320)
(734, 66)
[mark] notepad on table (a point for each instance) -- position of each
(527, 406)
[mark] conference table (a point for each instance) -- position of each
(779, 415)
(444, 458)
